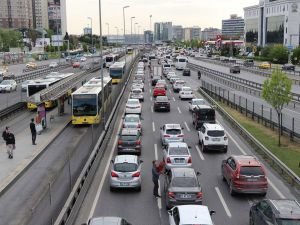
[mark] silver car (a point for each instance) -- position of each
(177, 154)
(126, 173)
(132, 121)
(137, 93)
(171, 133)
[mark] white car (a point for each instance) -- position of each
(170, 74)
(133, 121)
(186, 93)
(82, 59)
(53, 65)
(133, 106)
(137, 84)
(177, 85)
(25, 84)
(190, 214)
(173, 79)
(177, 154)
(8, 86)
(196, 101)
(213, 137)
(137, 93)
(171, 133)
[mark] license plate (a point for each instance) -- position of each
(185, 196)
(124, 184)
(216, 139)
(179, 160)
(251, 179)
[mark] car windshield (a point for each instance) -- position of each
(199, 102)
(167, 66)
(161, 98)
(173, 131)
(251, 171)
(129, 137)
(186, 89)
(131, 119)
(288, 221)
(184, 182)
(215, 133)
(179, 82)
(136, 91)
(132, 102)
(181, 60)
(125, 167)
(178, 151)
(5, 82)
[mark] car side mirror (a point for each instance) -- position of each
(198, 173)
(112, 161)
(141, 161)
(189, 146)
(170, 212)
(212, 212)
(182, 128)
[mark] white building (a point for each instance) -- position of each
(273, 22)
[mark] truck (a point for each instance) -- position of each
(203, 114)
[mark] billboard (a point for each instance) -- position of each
(57, 40)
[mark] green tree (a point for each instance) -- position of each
(265, 52)
(296, 56)
(279, 54)
(277, 91)
(10, 38)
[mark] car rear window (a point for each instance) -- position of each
(136, 91)
(288, 221)
(184, 182)
(167, 66)
(215, 133)
(181, 60)
(131, 119)
(125, 167)
(129, 137)
(178, 151)
(173, 131)
(251, 171)
(161, 98)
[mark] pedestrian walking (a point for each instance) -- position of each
(155, 178)
(33, 131)
(10, 143)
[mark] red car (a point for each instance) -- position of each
(76, 65)
(159, 90)
(244, 174)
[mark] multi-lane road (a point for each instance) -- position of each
(142, 208)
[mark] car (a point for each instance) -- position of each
(25, 84)
(76, 65)
(171, 73)
(248, 62)
(182, 187)
(31, 65)
(155, 79)
(173, 79)
(170, 61)
(288, 67)
(8, 86)
(133, 106)
(107, 221)
(177, 154)
(186, 93)
(82, 59)
(232, 60)
(159, 90)
(235, 69)
(212, 137)
(162, 82)
(138, 84)
(132, 121)
(224, 59)
(126, 173)
(264, 65)
(129, 141)
(53, 65)
(186, 72)
(166, 68)
(196, 101)
(177, 85)
(161, 103)
(137, 93)
(203, 114)
(171, 133)
(277, 211)
(244, 174)
(190, 214)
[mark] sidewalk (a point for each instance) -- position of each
(25, 152)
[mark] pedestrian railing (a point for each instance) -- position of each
(5, 113)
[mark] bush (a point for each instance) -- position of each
(296, 56)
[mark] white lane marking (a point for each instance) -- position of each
(187, 127)
(105, 174)
(150, 90)
(151, 98)
(291, 110)
(276, 189)
(199, 152)
(159, 192)
(155, 151)
(174, 99)
(170, 91)
(179, 110)
(153, 126)
(151, 109)
(223, 202)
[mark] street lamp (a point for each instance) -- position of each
(125, 7)
(107, 31)
(90, 18)
(138, 34)
(117, 29)
(135, 31)
(133, 17)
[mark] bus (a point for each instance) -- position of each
(42, 83)
(111, 59)
(129, 50)
(116, 72)
(87, 101)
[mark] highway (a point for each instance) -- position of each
(142, 208)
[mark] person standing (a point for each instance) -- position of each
(155, 178)
(5, 133)
(10, 144)
(33, 131)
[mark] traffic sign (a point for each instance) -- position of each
(290, 47)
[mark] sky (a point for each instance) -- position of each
(188, 13)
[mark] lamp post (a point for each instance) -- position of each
(135, 31)
(117, 29)
(107, 24)
(150, 22)
(90, 18)
(133, 17)
(138, 34)
(125, 7)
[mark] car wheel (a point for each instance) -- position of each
(112, 189)
(223, 178)
(225, 150)
(231, 191)
(138, 189)
(203, 148)
(263, 194)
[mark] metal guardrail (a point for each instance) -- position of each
(284, 171)
(11, 109)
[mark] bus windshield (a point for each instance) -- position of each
(115, 73)
(85, 105)
(109, 59)
(32, 89)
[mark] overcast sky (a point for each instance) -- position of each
(202, 13)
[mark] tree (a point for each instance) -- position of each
(10, 38)
(279, 54)
(276, 91)
(296, 56)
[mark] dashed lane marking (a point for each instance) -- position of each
(187, 127)
(223, 202)
(153, 126)
(199, 152)
(276, 189)
(174, 99)
(179, 110)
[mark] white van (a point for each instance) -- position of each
(166, 68)
(180, 63)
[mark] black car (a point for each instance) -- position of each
(248, 62)
(186, 72)
(155, 79)
(275, 212)
(129, 141)
(288, 67)
(235, 69)
(161, 103)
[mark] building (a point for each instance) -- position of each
(87, 30)
(163, 31)
(192, 33)
(210, 33)
(273, 22)
(233, 28)
(177, 33)
(57, 16)
(16, 14)
(148, 37)
(40, 14)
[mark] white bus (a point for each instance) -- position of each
(180, 63)
(111, 59)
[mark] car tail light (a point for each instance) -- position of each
(225, 138)
(199, 195)
(190, 160)
(123, 125)
(113, 174)
(171, 194)
(206, 138)
(168, 160)
(137, 174)
(139, 126)
(138, 142)
(119, 142)
(166, 135)
(180, 135)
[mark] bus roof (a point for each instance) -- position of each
(117, 65)
(96, 81)
(59, 75)
(85, 90)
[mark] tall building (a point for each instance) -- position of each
(16, 14)
(210, 33)
(273, 22)
(148, 37)
(57, 16)
(178, 32)
(233, 27)
(163, 31)
(191, 33)
(40, 14)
